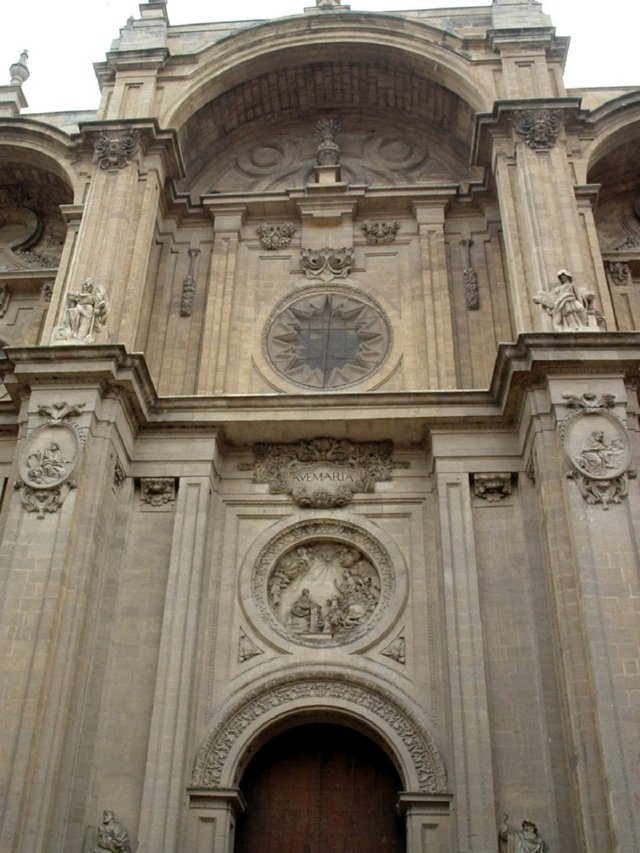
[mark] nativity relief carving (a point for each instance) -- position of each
(323, 589)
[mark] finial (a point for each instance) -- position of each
(19, 71)
(327, 4)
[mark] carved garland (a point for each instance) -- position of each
(214, 753)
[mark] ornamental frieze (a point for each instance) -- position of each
(324, 472)
(597, 448)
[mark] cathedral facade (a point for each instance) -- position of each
(318, 443)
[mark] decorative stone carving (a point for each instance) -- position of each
(49, 458)
(619, 273)
(47, 291)
(492, 488)
(525, 840)
(326, 264)
(115, 149)
(85, 315)
(118, 474)
(539, 129)
(157, 491)
(598, 449)
(397, 649)
(387, 709)
(324, 472)
(470, 278)
(5, 298)
(323, 589)
(629, 244)
(571, 309)
(247, 649)
(274, 237)
(112, 836)
(327, 4)
(380, 233)
(189, 285)
(327, 340)
(328, 151)
(322, 583)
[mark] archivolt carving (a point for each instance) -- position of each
(213, 765)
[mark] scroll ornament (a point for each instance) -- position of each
(115, 149)
(380, 233)
(49, 459)
(597, 448)
(274, 237)
(326, 264)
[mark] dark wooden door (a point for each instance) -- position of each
(320, 788)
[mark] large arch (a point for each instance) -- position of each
(251, 52)
(248, 720)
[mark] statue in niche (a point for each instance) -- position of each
(525, 840)
(568, 306)
(85, 315)
(323, 588)
(112, 836)
(598, 456)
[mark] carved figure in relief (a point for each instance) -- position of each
(112, 836)
(567, 306)
(598, 456)
(525, 840)
(86, 313)
(46, 464)
(335, 574)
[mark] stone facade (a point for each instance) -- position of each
(321, 401)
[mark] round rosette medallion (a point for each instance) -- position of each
(323, 583)
(597, 444)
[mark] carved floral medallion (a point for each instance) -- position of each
(323, 583)
(327, 340)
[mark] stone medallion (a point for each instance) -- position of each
(50, 456)
(323, 583)
(326, 340)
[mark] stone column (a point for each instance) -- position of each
(169, 759)
(435, 296)
(525, 144)
(131, 163)
(220, 299)
(592, 566)
(212, 819)
(428, 818)
(53, 559)
(470, 736)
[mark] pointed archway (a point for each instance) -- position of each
(320, 788)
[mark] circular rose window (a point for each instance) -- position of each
(328, 339)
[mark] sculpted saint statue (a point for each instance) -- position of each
(86, 313)
(525, 840)
(567, 306)
(112, 836)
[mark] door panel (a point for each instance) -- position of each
(320, 788)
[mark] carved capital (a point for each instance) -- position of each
(492, 488)
(114, 149)
(157, 492)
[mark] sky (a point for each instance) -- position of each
(65, 37)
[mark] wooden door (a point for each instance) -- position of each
(320, 788)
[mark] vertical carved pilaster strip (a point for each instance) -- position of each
(472, 764)
(168, 757)
(189, 285)
(470, 278)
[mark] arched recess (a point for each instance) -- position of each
(247, 721)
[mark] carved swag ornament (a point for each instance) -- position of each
(598, 449)
(380, 233)
(324, 472)
(274, 237)
(326, 264)
(539, 129)
(49, 458)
